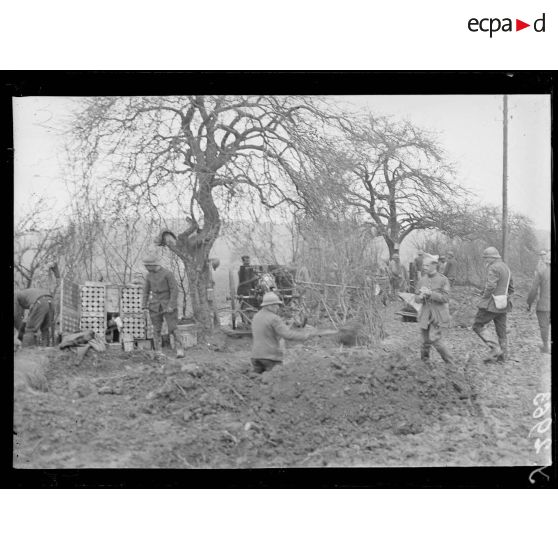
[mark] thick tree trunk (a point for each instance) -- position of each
(198, 280)
(391, 244)
(193, 247)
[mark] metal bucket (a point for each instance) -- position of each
(188, 334)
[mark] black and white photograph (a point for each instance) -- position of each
(280, 281)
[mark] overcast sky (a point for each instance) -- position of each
(469, 128)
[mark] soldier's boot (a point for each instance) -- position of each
(178, 345)
(489, 341)
(29, 339)
(425, 353)
(495, 352)
(157, 342)
(44, 338)
(503, 355)
(447, 358)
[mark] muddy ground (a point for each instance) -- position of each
(326, 406)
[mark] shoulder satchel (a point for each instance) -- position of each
(501, 301)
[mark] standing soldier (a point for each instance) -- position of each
(247, 279)
(451, 268)
(541, 264)
(161, 285)
(40, 318)
(213, 265)
(434, 317)
(495, 304)
(442, 265)
(395, 274)
(541, 288)
(415, 272)
(418, 264)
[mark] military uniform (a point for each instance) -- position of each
(160, 294)
(40, 317)
(450, 271)
(434, 316)
(267, 330)
(541, 288)
(497, 277)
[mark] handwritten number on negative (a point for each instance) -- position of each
(540, 411)
(541, 426)
(544, 396)
(544, 444)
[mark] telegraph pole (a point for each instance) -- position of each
(505, 184)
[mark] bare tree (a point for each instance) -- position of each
(197, 152)
(122, 241)
(481, 225)
(36, 244)
(394, 175)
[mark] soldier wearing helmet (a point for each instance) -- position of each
(498, 283)
(540, 289)
(160, 294)
(450, 271)
(268, 329)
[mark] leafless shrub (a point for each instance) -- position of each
(344, 287)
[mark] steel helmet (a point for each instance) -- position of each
(269, 299)
(491, 252)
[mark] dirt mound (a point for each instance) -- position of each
(29, 369)
(205, 412)
(325, 406)
(305, 412)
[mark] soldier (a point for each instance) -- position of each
(161, 285)
(541, 288)
(493, 306)
(434, 317)
(246, 277)
(268, 329)
(418, 264)
(541, 264)
(451, 268)
(39, 319)
(213, 265)
(396, 275)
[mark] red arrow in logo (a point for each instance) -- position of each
(519, 25)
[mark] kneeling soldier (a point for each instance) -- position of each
(267, 330)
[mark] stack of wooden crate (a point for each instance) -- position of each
(92, 315)
(131, 313)
(88, 307)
